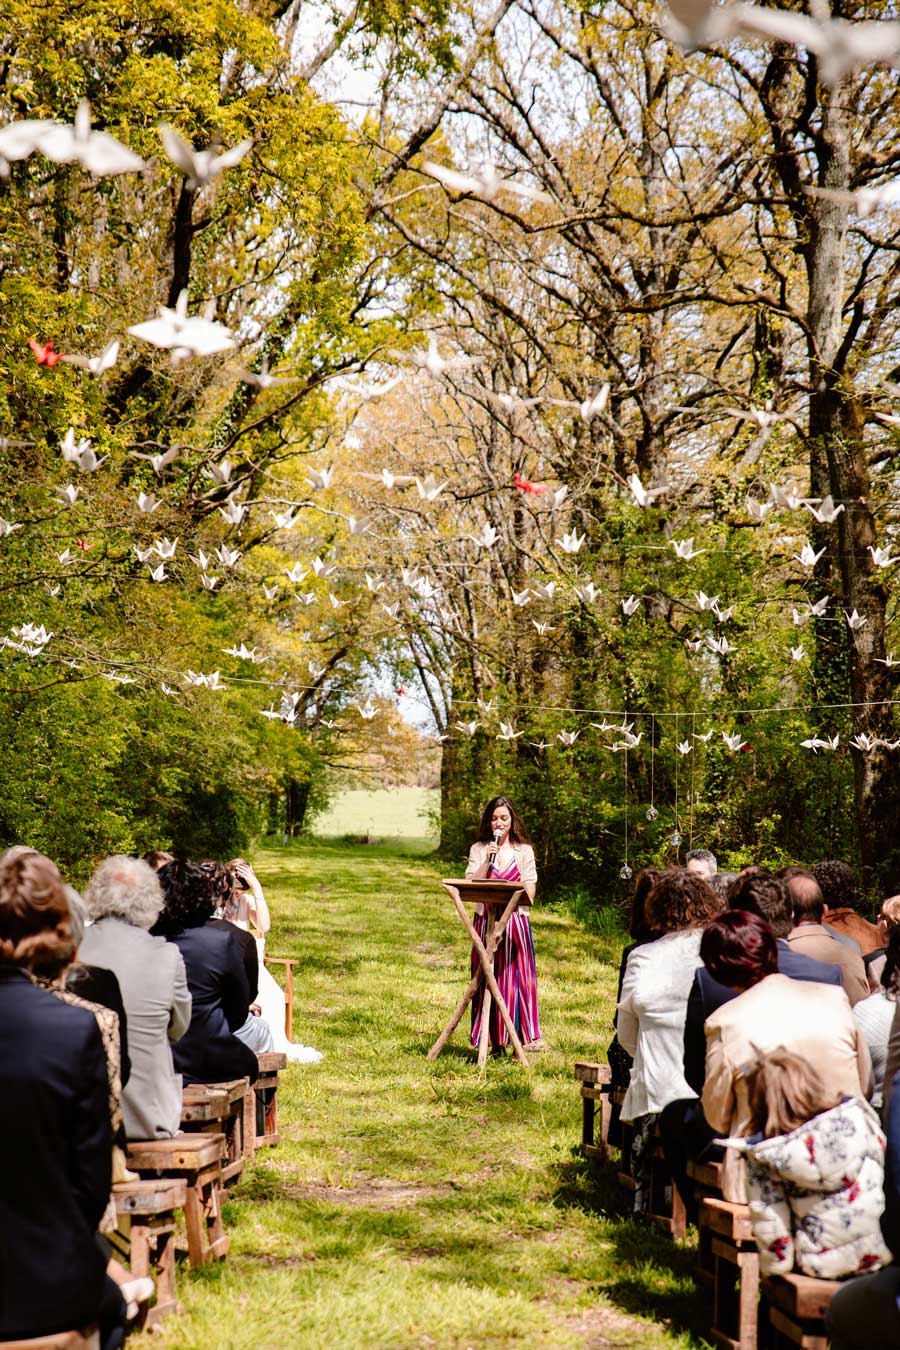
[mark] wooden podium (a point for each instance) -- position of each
(501, 899)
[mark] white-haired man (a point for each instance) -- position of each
(701, 861)
(124, 900)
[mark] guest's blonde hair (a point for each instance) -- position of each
(784, 1092)
(889, 914)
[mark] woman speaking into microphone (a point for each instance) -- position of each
(503, 852)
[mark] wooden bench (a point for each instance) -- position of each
(146, 1210)
(665, 1208)
(734, 1268)
(195, 1159)
(706, 1179)
(793, 1310)
(62, 1340)
(288, 962)
(223, 1108)
(595, 1087)
(265, 1091)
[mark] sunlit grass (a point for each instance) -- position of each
(424, 1204)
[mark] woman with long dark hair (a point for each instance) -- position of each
(503, 852)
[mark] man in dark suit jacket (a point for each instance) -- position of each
(57, 1146)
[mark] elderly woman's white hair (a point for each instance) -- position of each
(125, 888)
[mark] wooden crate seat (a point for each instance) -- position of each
(196, 1159)
(794, 1307)
(729, 1265)
(146, 1211)
(595, 1087)
(266, 1099)
(61, 1340)
(226, 1108)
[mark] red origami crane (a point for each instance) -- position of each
(84, 545)
(46, 356)
(524, 486)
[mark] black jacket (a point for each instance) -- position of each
(101, 986)
(247, 943)
(208, 1052)
(57, 1148)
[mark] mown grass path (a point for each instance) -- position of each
(418, 1204)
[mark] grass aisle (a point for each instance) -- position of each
(418, 1204)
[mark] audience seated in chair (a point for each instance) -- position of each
(209, 1051)
(124, 900)
(810, 937)
(837, 882)
(55, 1124)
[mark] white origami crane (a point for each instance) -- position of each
(684, 747)
(202, 559)
(539, 745)
(96, 365)
(367, 710)
(722, 615)
(165, 548)
(159, 573)
(305, 597)
(321, 568)
(167, 689)
(432, 361)
(320, 479)
(588, 592)
(789, 499)
(208, 581)
(630, 605)
(261, 379)
(807, 557)
(881, 557)
(181, 335)
(429, 488)
(864, 201)
(684, 548)
(593, 407)
(373, 584)
(220, 473)
(559, 496)
(199, 166)
(335, 602)
(863, 742)
(705, 601)
(508, 732)
(370, 391)
(544, 590)
(827, 512)
(757, 510)
(7, 527)
(68, 494)
(798, 653)
(228, 557)
(521, 597)
(233, 512)
(296, 573)
(542, 628)
(245, 653)
(855, 620)
(799, 619)
(468, 728)
(734, 743)
(484, 182)
(720, 645)
(270, 592)
(704, 735)
(99, 153)
(643, 496)
(143, 554)
(357, 527)
(66, 558)
(567, 737)
(159, 462)
(283, 522)
(817, 610)
(391, 610)
(571, 542)
(147, 502)
(487, 538)
(52, 590)
(886, 660)
(73, 449)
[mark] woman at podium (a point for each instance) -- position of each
(503, 852)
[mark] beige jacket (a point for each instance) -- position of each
(814, 1020)
(814, 939)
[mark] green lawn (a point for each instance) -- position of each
(413, 1204)
(384, 813)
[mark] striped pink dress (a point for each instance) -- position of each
(515, 972)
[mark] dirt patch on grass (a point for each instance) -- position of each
(368, 1193)
(604, 1329)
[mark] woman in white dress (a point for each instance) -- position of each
(253, 915)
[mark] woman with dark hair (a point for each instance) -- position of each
(208, 1052)
(811, 1019)
(55, 1124)
(503, 852)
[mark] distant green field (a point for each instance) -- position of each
(383, 813)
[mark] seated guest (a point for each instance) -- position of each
(55, 1124)
(722, 883)
(815, 1173)
(653, 1004)
(810, 937)
(256, 1031)
(771, 1011)
(837, 882)
(702, 862)
(639, 931)
(209, 1052)
(865, 1313)
(874, 961)
(766, 896)
(124, 900)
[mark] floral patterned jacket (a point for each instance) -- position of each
(816, 1195)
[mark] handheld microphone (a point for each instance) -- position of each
(497, 834)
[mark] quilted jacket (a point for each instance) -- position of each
(816, 1195)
